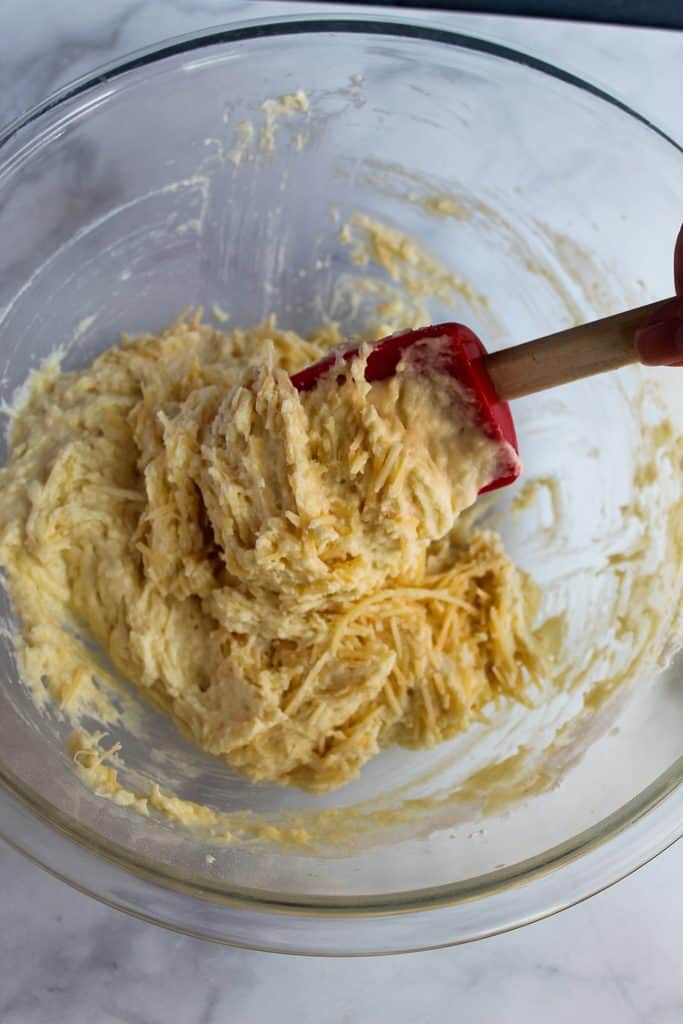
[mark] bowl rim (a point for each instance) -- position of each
(661, 801)
(301, 25)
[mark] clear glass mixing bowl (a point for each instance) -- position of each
(128, 196)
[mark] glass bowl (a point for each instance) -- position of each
(134, 193)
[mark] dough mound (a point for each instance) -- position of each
(283, 573)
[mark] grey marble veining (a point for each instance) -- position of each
(615, 958)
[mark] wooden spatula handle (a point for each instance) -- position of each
(568, 355)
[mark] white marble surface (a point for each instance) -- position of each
(616, 958)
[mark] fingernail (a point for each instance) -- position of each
(661, 344)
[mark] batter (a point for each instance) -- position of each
(283, 573)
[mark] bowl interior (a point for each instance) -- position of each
(145, 193)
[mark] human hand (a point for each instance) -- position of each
(660, 343)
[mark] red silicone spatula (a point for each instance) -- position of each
(512, 373)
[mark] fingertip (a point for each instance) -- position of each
(660, 344)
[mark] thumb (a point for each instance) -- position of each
(660, 342)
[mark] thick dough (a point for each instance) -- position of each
(281, 572)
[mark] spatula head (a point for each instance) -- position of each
(462, 356)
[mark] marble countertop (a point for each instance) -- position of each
(614, 958)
